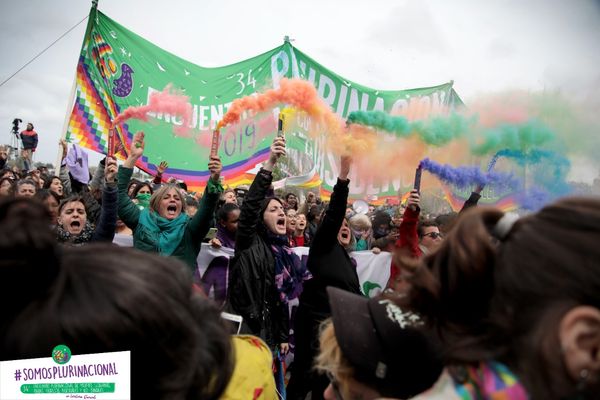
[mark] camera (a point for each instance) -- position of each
(15, 128)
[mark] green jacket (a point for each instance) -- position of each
(196, 229)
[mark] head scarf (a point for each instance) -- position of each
(63, 236)
(290, 273)
(169, 232)
(143, 200)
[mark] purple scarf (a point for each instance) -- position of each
(289, 271)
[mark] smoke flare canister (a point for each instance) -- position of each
(111, 143)
(417, 185)
(214, 146)
(280, 125)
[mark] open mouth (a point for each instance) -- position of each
(75, 224)
(171, 209)
(281, 222)
(345, 235)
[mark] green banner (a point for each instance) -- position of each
(118, 69)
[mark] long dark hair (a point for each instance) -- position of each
(48, 181)
(223, 213)
(503, 299)
(262, 228)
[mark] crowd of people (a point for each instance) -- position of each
(480, 304)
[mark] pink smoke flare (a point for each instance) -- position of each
(168, 102)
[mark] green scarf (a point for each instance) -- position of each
(143, 200)
(170, 233)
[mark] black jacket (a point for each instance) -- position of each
(251, 288)
(328, 261)
(330, 265)
(106, 221)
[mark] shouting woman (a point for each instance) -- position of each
(73, 227)
(164, 227)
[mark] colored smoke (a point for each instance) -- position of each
(465, 176)
(530, 134)
(435, 131)
(548, 171)
(534, 156)
(168, 102)
(303, 96)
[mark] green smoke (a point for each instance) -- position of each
(529, 135)
(397, 125)
(440, 130)
(436, 131)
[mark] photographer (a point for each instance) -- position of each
(29, 138)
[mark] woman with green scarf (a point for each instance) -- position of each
(141, 195)
(164, 227)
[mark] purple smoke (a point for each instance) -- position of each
(465, 176)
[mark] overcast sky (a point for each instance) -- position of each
(484, 46)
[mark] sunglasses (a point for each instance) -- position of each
(434, 235)
(335, 386)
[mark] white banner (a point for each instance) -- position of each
(373, 269)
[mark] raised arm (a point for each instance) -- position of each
(128, 211)
(326, 235)
(200, 224)
(159, 172)
(409, 238)
(107, 223)
(98, 178)
(250, 210)
(472, 200)
(63, 172)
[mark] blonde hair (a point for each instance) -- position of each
(360, 222)
(331, 359)
(159, 194)
(228, 190)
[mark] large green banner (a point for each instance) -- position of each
(118, 69)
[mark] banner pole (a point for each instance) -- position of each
(71, 98)
(63, 136)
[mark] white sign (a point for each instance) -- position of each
(61, 375)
